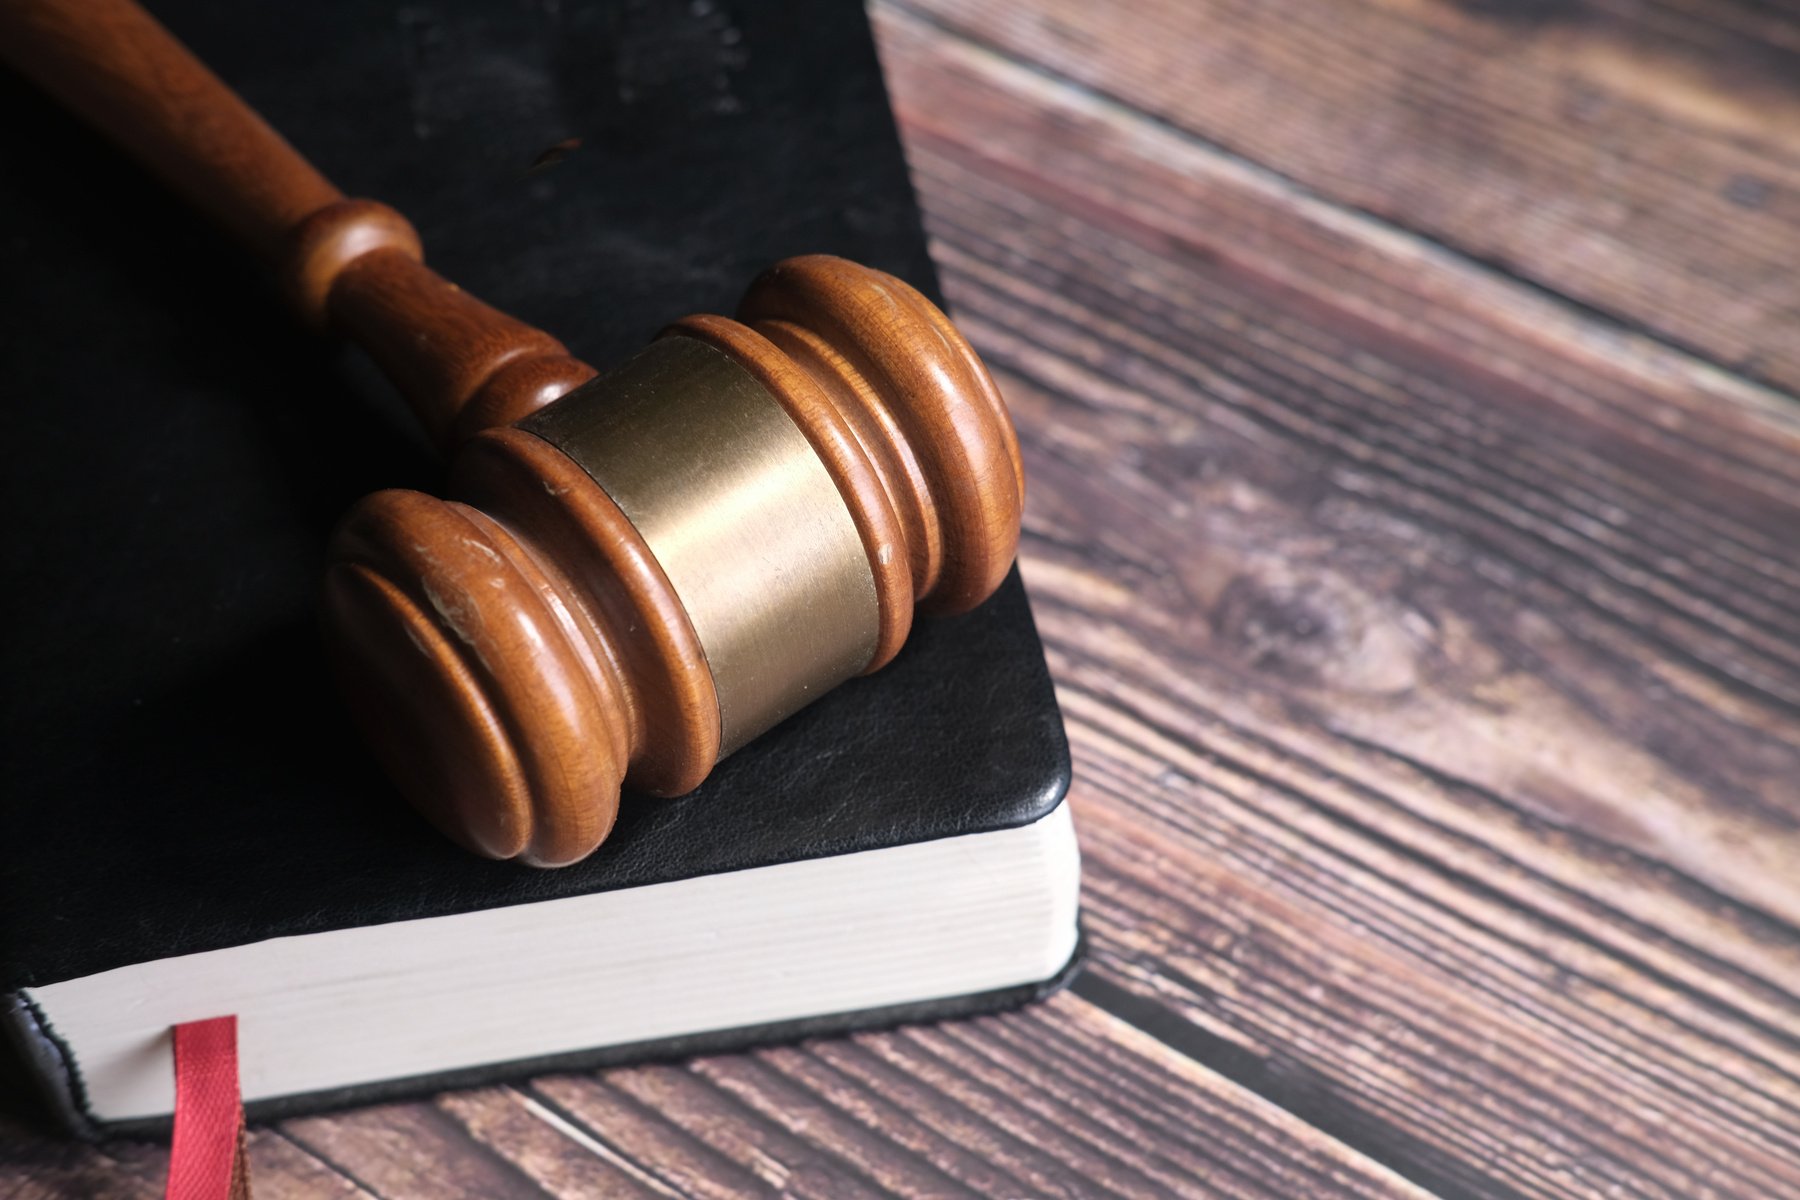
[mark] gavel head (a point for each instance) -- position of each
(644, 575)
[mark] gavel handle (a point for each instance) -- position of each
(353, 266)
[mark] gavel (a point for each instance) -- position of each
(635, 572)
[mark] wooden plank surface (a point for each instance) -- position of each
(1640, 156)
(1066, 1100)
(1432, 648)
(1413, 528)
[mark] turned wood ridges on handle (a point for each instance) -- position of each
(518, 653)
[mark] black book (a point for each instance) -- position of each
(191, 827)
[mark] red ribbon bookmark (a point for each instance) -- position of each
(207, 1159)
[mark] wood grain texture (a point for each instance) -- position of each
(1065, 1100)
(1643, 158)
(33, 1167)
(1428, 640)
(1429, 652)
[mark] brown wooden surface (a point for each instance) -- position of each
(1420, 576)
(1639, 156)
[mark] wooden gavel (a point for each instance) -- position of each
(640, 571)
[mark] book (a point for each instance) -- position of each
(192, 827)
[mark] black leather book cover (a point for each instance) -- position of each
(179, 774)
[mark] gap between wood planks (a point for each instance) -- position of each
(1639, 158)
(525, 1138)
(1063, 1099)
(1525, 974)
(1735, 447)
(528, 1133)
(1298, 190)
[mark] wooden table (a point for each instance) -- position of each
(1408, 394)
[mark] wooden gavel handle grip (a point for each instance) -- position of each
(351, 265)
